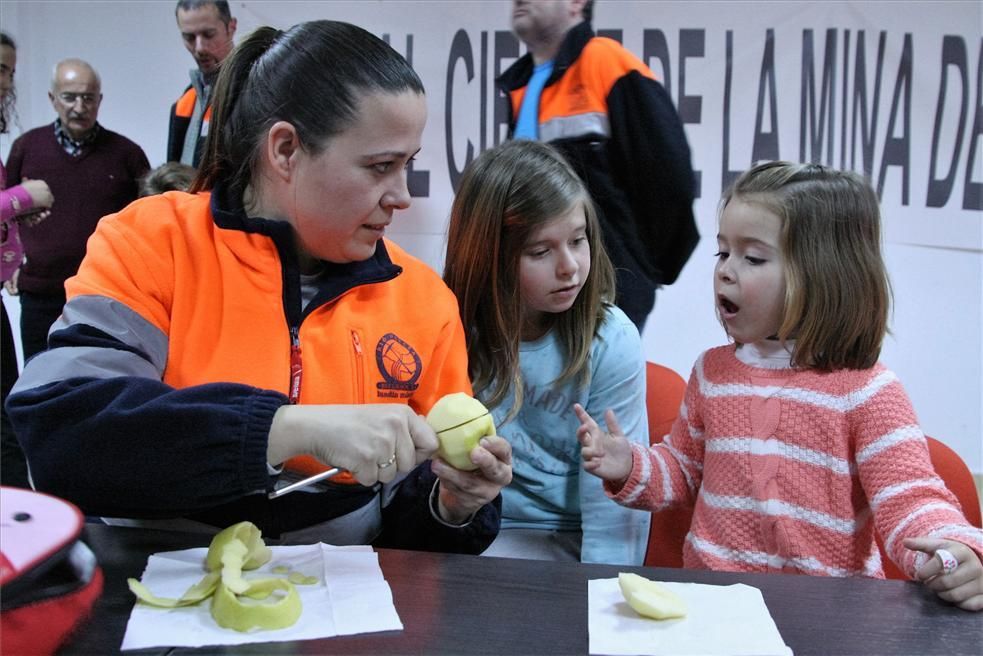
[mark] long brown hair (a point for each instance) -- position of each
(837, 291)
(507, 193)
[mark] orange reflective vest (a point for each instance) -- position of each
(180, 121)
(227, 299)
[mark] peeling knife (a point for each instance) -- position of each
(304, 482)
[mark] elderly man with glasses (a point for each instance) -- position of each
(91, 171)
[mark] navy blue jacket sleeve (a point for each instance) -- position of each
(408, 523)
(134, 447)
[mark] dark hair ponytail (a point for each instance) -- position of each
(227, 154)
(312, 76)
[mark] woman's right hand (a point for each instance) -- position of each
(41, 195)
(360, 438)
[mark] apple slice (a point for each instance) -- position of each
(650, 599)
(460, 421)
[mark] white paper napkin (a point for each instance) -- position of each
(351, 597)
(730, 619)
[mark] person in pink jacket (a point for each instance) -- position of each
(26, 202)
(794, 445)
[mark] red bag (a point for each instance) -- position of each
(49, 578)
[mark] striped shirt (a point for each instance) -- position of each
(794, 470)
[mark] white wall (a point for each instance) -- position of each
(935, 254)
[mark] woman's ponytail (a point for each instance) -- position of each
(312, 76)
(226, 154)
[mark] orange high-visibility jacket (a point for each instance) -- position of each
(180, 121)
(617, 126)
(176, 348)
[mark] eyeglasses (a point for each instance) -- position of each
(86, 98)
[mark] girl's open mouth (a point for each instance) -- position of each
(727, 306)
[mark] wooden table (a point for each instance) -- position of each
(454, 604)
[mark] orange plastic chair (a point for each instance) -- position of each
(665, 391)
(957, 477)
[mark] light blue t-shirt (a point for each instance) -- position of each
(549, 489)
(527, 124)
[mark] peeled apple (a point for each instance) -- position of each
(238, 603)
(650, 599)
(460, 421)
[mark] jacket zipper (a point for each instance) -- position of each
(359, 365)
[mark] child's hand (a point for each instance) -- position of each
(11, 284)
(39, 191)
(962, 586)
(32, 218)
(606, 455)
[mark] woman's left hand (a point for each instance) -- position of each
(462, 493)
(962, 586)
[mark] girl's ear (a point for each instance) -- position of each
(282, 149)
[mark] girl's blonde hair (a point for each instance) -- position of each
(506, 194)
(837, 292)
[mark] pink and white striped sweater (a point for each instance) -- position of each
(794, 470)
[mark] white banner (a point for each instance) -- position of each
(890, 89)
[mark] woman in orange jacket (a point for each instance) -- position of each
(217, 345)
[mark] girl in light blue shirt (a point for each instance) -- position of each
(536, 292)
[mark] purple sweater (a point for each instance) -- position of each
(102, 180)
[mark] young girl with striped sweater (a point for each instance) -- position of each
(793, 444)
